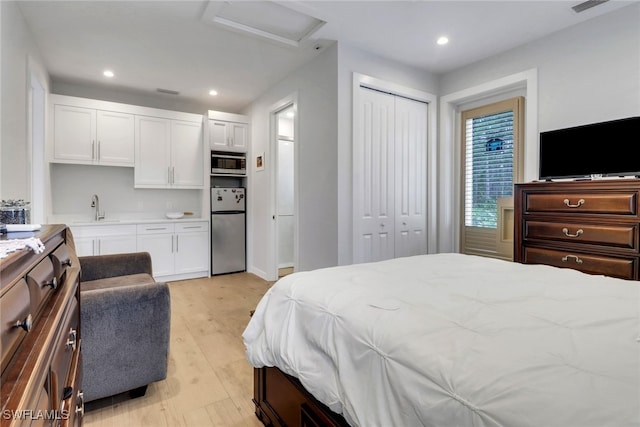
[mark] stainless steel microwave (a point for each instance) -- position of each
(226, 163)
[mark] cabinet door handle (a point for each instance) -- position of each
(169, 174)
(578, 233)
(577, 205)
(574, 257)
(98, 156)
(93, 149)
(177, 243)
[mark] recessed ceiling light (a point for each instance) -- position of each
(108, 73)
(213, 92)
(442, 40)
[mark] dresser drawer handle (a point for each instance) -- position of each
(566, 232)
(66, 262)
(53, 283)
(577, 205)
(80, 403)
(72, 340)
(566, 259)
(25, 324)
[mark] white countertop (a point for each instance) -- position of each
(71, 220)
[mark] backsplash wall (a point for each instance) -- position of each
(73, 185)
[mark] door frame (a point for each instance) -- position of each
(36, 105)
(290, 101)
(363, 80)
(448, 201)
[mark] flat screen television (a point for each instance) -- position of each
(598, 149)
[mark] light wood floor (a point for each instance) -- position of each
(209, 381)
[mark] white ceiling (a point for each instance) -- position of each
(173, 45)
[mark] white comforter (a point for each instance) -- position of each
(454, 340)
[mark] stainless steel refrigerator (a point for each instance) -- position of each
(228, 237)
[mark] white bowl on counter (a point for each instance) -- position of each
(175, 215)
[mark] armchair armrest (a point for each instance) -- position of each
(105, 266)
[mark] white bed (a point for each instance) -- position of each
(456, 340)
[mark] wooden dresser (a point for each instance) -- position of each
(591, 226)
(41, 382)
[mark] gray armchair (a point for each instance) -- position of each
(125, 323)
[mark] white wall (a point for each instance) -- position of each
(587, 73)
(315, 85)
(19, 57)
(350, 61)
(584, 74)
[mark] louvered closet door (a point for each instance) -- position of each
(373, 190)
(410, 177)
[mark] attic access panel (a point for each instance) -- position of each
(268, 19)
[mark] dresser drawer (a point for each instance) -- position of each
(61, 259)
(621, 235)
(622, 203)
(42, 407)
(64, 350)
(16, 319)
(624, 268)
(41, 281)
(73, 406)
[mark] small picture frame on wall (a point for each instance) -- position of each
(260, 162)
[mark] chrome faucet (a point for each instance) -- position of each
(95, 203)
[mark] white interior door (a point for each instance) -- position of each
(410, 174)
(373, 186)
(286, 212)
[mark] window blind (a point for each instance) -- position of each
(488, 167)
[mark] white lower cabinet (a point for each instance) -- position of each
(104, 239)
(178, 250)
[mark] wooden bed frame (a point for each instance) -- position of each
(281, 400)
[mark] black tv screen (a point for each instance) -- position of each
(607, 149)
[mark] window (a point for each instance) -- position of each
(491, 137)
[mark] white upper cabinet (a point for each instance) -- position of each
(169, 153)
(228, 132)
(91, 136)
(166, 148)
(228, 136)
(153, 155)
(115, 138)
(186, 154)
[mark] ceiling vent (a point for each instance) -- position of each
(168, 91)
(587, 5)
(283, 22)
